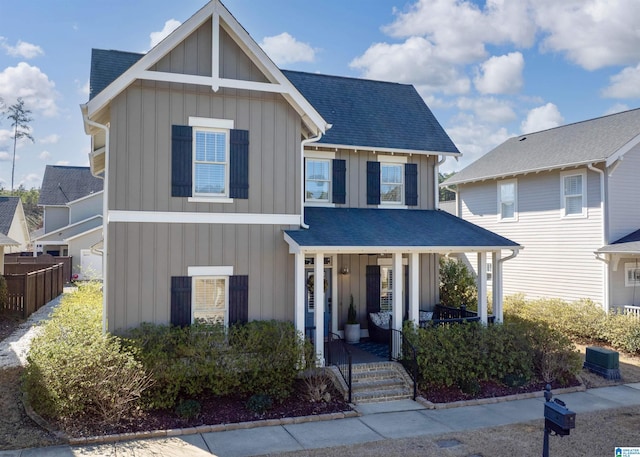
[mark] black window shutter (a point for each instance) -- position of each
(373, 288)
(339, 184)
(373, 183)
(239, 164)
(411, 184)
(238, 299)
(181, 300)
(181, 160)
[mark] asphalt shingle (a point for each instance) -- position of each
(62, 184)
(7, 212)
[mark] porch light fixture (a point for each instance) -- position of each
(344, 270)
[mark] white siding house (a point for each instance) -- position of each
(565, 194)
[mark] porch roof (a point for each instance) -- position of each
(385, 230)
(629, 244)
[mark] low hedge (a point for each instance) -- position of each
(74, 369)
(261, 357)
(581, 320)
(516, 353)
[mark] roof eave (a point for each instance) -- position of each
(384, 149)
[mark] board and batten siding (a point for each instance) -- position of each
(622, 196)
(356, 178)
(146, 255)
(55, 217)
(558, 257)
(86, 208)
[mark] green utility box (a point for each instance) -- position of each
(602, 361)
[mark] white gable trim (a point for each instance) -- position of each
(319, 146)
(619, 154)
(216, 11)
(86, 197)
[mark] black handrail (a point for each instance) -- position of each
(339, 355)
(406, 355)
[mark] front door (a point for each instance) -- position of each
(310, 302)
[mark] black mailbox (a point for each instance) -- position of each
(558, 418)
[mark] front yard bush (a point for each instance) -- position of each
(74, 369)
(457, 284)
(516, 353)
(261, 357)
(581, 320)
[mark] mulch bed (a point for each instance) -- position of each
(488, 389)
(214, 410)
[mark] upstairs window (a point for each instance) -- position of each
(318, 180)
(210, 163)
(573, 189)
(507, 200)
(391, 183)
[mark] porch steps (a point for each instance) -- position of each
(382, 381)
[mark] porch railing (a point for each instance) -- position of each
(443, 315)
(338, 355)
(403, 352)
(633, 310)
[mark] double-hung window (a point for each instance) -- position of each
(318, 180)
(573, 190)
(631, 274)
(391, 183)
(507, 200)
(210, 299)
(210, 163)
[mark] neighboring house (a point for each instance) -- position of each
(234, 189)
(6, 243)
(71, 198)
(13, 224)
(569, 196)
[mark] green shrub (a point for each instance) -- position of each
(259, 357)
(74, 369)
(188, 409)
(259, 403)
(457, 284)
(4, 292)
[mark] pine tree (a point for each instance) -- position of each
(20, 118)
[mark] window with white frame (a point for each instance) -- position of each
(318, 180)
(211, 299)
(507, 200)
(631, 274)
(391, 183)
(386, 288)
(573, 189)
(210, 162)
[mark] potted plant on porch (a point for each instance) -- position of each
(352, 327)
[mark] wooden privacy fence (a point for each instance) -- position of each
(42, 261)
(30, 291)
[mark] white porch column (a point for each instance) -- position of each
(318, 302)
(334, 295)
(396, 293)
(497, 286)
(482, 287)
(414, 287)
(300, 291)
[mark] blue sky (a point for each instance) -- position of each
(487, 69)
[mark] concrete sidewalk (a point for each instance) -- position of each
(378, 421)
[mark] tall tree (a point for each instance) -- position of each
(20, 118)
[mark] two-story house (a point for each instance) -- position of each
(71, 199)
(235, 191)
(13, 224)
(568, 195)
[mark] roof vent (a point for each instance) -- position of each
(523, 138)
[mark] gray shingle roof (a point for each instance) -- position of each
(62, 184)
(584, 142)
(7, 212)
(6, 241)
(372, 113)
(366, 227)
(627, 244)
(106, 66)
(364, 113)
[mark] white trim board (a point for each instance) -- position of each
(176, 217)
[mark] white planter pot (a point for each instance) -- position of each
(352, 333)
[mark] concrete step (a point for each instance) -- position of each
(378, 384)
(365, 376)
(381, 395)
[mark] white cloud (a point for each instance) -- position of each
(625, 84)
(5, 156)
(592, 33)
(617, 108)
(62, 162)
(489, 109)
(83, 88)
(5, 136)
(44, 155)
(413, 62)
(50, 139)
(500, 74)
(542, 118)
(21, 49)
(157, 37)
(32, 85)
(284, 49)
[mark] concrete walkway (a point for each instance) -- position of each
(378, 421)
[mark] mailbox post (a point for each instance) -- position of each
(558, 419)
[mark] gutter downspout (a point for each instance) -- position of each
(303, 143)
(605, 236)
(105, 212)
(498, 295)
(436, 182)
